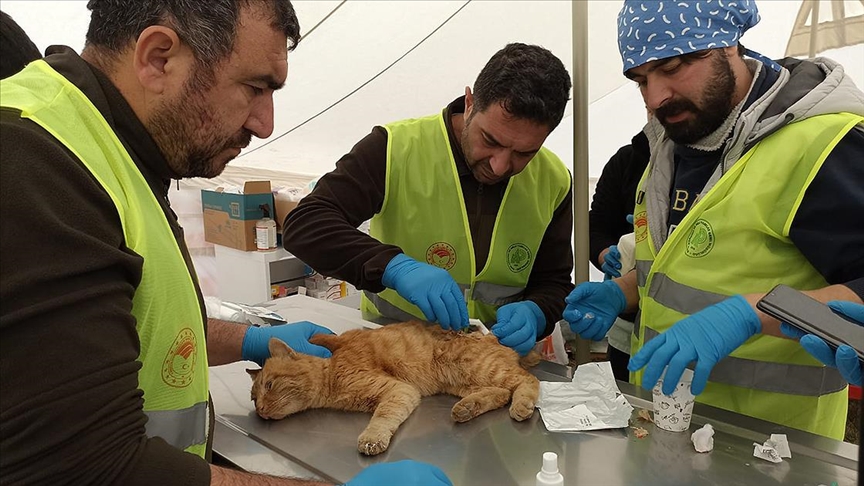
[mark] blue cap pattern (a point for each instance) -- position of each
(653, 30)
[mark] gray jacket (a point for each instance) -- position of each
(803, 89)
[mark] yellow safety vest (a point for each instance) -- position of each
(735, 240)
(424, 214)
(170, 323)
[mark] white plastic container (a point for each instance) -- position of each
(549, 475)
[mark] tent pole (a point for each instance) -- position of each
(814, 29)
(580, 155)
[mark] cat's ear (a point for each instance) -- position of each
(278, 349)
(253, 372)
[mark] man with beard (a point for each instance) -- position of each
(104, 361)
(754, 180)
(465, 205)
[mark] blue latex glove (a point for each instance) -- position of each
(629, 218)
(430, 288)
(519, 324)
(403, 473)
(296, 335)
(705, 337)
(844, 359)
(612, 263)
(592, 308)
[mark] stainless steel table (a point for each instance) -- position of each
(494, 450)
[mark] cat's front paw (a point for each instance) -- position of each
(521, 410)
(373, 444)
(465, 410)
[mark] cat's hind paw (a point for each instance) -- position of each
(372, 446)
(520, 411)
(465, 410)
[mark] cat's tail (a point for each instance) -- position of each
(329, 341)
(531, 359)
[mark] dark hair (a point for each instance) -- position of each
(209, 27)
(528, 81)
(16, 48)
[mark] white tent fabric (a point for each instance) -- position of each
(369, 62)
(359, 44)
(817, 30)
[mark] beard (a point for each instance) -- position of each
(716, 106)
(189, 136)
(481, 169)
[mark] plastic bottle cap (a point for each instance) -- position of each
(549, 475)
(550, 462)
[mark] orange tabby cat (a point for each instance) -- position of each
(387, 370)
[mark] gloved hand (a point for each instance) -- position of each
(844, 359)
(403, 473)
(705, 337)
(629, 218)
(430, 288)
(612, 263)
(592, 308)
(297, 334)
(519, 324)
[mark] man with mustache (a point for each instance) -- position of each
(754, 179)
(103, 366)
(464, 204)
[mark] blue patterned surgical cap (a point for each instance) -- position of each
(653, 30)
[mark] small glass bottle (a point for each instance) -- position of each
(265, 231)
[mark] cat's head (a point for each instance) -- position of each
(286, 384)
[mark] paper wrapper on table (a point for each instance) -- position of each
(703, 439)
(591, 401)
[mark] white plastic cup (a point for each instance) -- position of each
(673, 413)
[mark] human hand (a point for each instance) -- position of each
(592, 308)
(845, 359)
(296, 335)
(612, 263)
(705, 337)
(403, 473)
(430, 288)
(518, 326)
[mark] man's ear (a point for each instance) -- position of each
(469, 101)
(160, 61)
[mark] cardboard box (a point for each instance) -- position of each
(286, 200)
(229, 219)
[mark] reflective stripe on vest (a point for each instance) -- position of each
(791, 379)
(174, 425)
(760, 375)
(424, 214)
(745, 217)
(169, 319)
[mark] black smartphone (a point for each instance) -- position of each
(813, 317)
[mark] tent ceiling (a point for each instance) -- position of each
(361, 40)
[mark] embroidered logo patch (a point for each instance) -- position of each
(640, 226)
(700, 241)
(178, 369)
(518, 257)
(442, 255)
